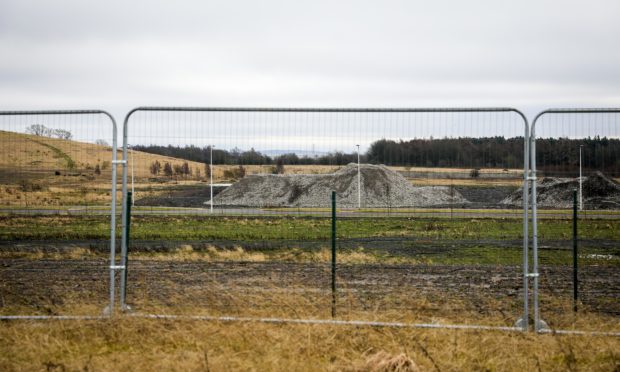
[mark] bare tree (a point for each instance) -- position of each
(39, 130)
(62, 134)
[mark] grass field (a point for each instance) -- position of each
(142, 344)
(291, 227)
(306, 239)
(461, 271)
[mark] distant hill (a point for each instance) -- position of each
(32, 153)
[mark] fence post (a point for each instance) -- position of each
(124, 253)
(333, 254)
(575, 279)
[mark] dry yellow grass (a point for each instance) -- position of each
(186, 252)
(136, 344)
(23, 151)
(29, 151)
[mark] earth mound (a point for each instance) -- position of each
(599, 192)
(381, 187)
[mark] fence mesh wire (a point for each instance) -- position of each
(429, 222)
(55, 199)
(568, 144)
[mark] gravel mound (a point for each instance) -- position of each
(599, 192)
(381, 187)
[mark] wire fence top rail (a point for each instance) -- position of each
(58, 112)
(330, 109)
(611, 110)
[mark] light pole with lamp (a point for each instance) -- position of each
(580, 181)
(211, 175)
(359, 180)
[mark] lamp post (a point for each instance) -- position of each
(580, 181)
(133, 190)
(211, 175)
(359, 180)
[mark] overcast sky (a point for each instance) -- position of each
(116, 55)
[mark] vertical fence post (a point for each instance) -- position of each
(575, 279)
(527, 156)
(124, 254)
(124, 209)
(333, 254)
(110, 308)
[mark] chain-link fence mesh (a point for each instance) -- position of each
(55, 211)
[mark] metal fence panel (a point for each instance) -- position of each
(576, 163)
(58, 211)
(432, 225)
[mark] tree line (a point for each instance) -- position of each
(43, 131)
(553, 154)
(250, 157)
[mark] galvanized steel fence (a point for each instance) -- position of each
(459, 250)
(391, 275)
(576, 275)
(55, 163)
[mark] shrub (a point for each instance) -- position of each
(168, 170)
(155, 168)
(235, 173)
(279, 168)
(29, 186)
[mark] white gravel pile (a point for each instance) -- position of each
(381, 187)
(599, 192)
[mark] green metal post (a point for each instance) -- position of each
(124, 260)
(333, 254)
(575, 279)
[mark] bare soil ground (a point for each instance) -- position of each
(389, 292)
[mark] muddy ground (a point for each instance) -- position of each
(44, 286)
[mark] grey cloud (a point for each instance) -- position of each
(120, 54)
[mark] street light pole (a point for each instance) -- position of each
(211, 175)
(133, 190)
(580, 181)
(359, 180)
